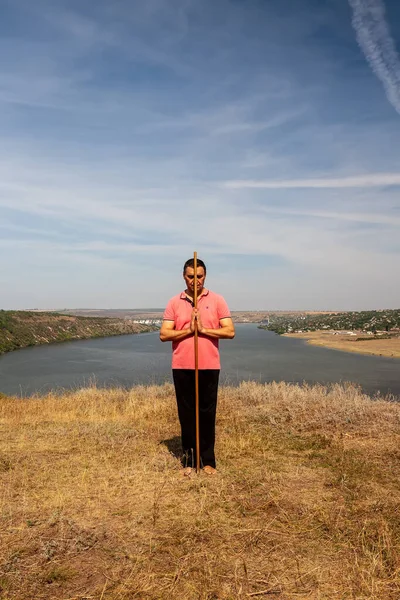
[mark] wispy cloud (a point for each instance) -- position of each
(375, 40)
(362, 181)
(376, 218)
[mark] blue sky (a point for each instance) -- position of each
(263, 135)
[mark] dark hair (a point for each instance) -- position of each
(190, 263)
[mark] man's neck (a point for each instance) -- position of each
(190, 294)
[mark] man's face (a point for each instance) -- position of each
(188, 276)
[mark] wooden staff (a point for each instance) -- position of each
(196, 369)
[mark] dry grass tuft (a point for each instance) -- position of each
(306, 504)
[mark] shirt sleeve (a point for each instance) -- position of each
(223, 310)
(169, 313)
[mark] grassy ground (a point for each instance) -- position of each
(346, 343)
(306, 504)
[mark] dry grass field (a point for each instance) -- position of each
(306, 505)
(346, 343)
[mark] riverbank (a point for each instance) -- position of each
(305, 504)
(345, 342)
(21, 329)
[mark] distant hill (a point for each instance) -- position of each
(157, 313)
(238, 316)
(117, 313)
(371, 321)
(20, 329)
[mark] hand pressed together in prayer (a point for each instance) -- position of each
(196, 317)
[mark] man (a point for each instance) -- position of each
(213, 323)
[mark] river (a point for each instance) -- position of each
(254, 354)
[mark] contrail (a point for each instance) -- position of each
(378, 46)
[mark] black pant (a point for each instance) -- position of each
(184, 381)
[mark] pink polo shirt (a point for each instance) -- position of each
(212, 308)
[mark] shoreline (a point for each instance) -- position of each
(23, 329)
(75, 339)
(388, 348)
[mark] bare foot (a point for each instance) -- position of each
(187, 471)
(210, 470)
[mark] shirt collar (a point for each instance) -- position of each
(205, 293)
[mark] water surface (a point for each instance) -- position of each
(254, 354)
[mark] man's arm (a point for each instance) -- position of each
(226, 330)
(168, 333)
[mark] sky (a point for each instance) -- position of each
(264, 135)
